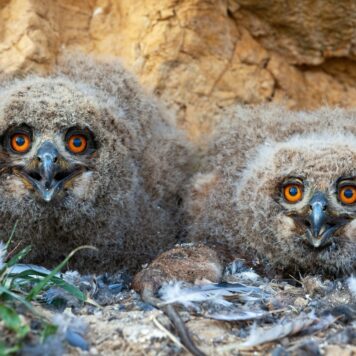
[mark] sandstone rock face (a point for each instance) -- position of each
(198, 55)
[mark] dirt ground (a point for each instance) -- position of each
(309, 316)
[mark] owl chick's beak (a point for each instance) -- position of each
(51, 172)
(321, 225)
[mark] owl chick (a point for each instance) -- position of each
(278, 189)
(87, 158)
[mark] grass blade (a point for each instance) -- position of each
(38, 287)
(13, 322)
(69, 288)
(15, 296)
(12, 234)
(4, 350)
(18, 256)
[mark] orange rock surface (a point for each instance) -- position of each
(198, 55)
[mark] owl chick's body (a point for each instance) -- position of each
(271, 190)
(103, 167)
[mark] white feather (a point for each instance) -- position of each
(3, 252)
(250, 276)
(176, 293)
(20, 267)
(307, 324)
(351, 283)
(238, 316)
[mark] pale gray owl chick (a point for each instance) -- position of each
(280, 189)
(87, 158)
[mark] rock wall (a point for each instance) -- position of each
(198, 55)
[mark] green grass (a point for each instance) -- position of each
(18, 291)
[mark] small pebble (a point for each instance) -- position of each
(76, 340)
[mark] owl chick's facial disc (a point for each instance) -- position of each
(317, 216)
(48, 162)
(308, 188)
(46, 157)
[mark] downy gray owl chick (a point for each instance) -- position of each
(87, 158)
(280, 188)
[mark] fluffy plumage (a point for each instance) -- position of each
(237, 201)
(126, 199)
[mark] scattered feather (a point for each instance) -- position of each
(322, 324)
(351, 283)
(241, 272)
(260, 336)
(3, 253)
(178, 293)
(53, 294)
(60, 298)
(344, 336)
(52, 346)
(304, 324)
(71, 329)
(172, 293)
(238, 316)
(344, 312)
(235, 267)
(248, 276)
(72, 277)
(20, 267)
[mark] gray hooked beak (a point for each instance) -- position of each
(47, 156)
(318, 204)
(322, 226)
(49, 177)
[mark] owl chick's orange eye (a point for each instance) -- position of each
(20, 142)
(347, 194)
(293, 193)
(77, 143)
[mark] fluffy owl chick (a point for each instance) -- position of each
(280, 188)
(87, 158)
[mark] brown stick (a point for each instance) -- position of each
(170, 311)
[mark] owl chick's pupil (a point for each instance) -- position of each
(348, 193)
(77, 142)
(293, 191)
(20, 141)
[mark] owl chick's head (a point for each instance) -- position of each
(54, 140)
(299, 198)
